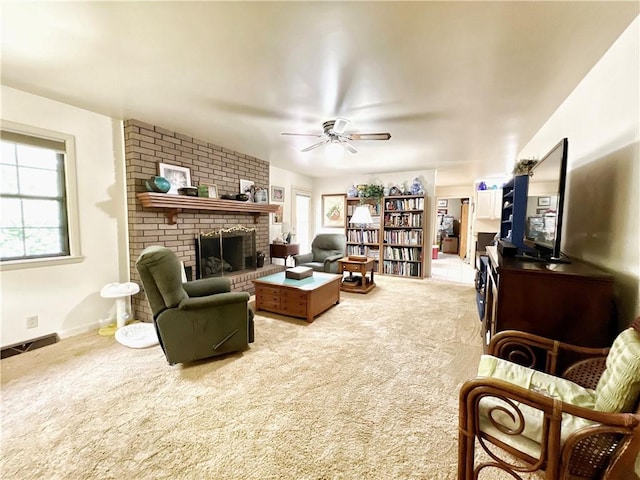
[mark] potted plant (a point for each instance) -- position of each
(371, 191)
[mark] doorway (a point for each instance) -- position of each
(452, 232)
(301, 218)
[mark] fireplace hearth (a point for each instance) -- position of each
(228, 251)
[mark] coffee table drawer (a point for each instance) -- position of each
(295, 305)
(269, 292)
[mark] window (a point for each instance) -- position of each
(34, 221)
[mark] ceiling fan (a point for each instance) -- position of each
(334, 133)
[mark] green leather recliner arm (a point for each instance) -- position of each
(303, 258)
(207, 286)
(330, 263)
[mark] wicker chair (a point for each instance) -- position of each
(494, 412)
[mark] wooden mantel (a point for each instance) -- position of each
(174, 204)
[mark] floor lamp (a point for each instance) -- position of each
(361, 216)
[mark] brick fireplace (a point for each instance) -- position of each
(145, 146)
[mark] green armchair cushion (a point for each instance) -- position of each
(541, 382)
(619, 386)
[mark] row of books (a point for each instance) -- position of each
(403, 253)
(405, 204)
(403, 237)
(403, 220)
(406, 269)
(368, 252)
(366, 236)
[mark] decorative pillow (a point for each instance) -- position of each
(530, 379)
(619, 387)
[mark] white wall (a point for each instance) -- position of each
(341, 185)
(66, 298)
(601, 119)
(288, 180)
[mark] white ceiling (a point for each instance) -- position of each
(461, 86)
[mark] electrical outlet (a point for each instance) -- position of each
(32, 321)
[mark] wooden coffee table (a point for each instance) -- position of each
(306, 298)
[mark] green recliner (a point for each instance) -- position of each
(197, 319)
(326, 250)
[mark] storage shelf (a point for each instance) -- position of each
(403, 245)
(174, 204)
(401, 260)
(396, 266)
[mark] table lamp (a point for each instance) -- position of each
(361, 216)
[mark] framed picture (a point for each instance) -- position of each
(277, 194)
(544, 201)
(245, 186)
(277, 216)
(208, 190)
(333, 210)
(443, 203)
(178, 176)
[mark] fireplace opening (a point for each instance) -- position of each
(225, 251)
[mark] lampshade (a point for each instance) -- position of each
(361, 215)
(286, 227)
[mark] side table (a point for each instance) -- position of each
(283, 250)
(361, 283)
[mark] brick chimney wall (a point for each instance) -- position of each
(145, 146)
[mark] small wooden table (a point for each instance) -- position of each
(304, 298)
(361, 283)
(283, 250)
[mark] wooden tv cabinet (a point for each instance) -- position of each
(572, 302)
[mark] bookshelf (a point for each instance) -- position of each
(404, 232)
(396, 239)
(514, 210)
(372, 232)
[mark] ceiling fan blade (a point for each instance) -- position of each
(315, 145)
(370, 136)
(304, 134)
(340, 125)
(349, 146)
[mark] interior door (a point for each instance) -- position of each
(464, 230)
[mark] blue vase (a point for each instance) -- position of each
(158, 184)
(416, 187)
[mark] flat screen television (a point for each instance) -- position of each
(543, 232)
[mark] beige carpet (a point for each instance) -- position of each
(367, 391)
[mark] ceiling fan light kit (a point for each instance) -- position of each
(333, 132)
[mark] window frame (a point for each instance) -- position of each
(71, 198)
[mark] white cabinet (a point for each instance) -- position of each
(489, 204)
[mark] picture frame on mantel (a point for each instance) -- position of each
(178, 176)
(245, 186)
(209, 190)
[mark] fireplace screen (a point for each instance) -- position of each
(225, 251)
